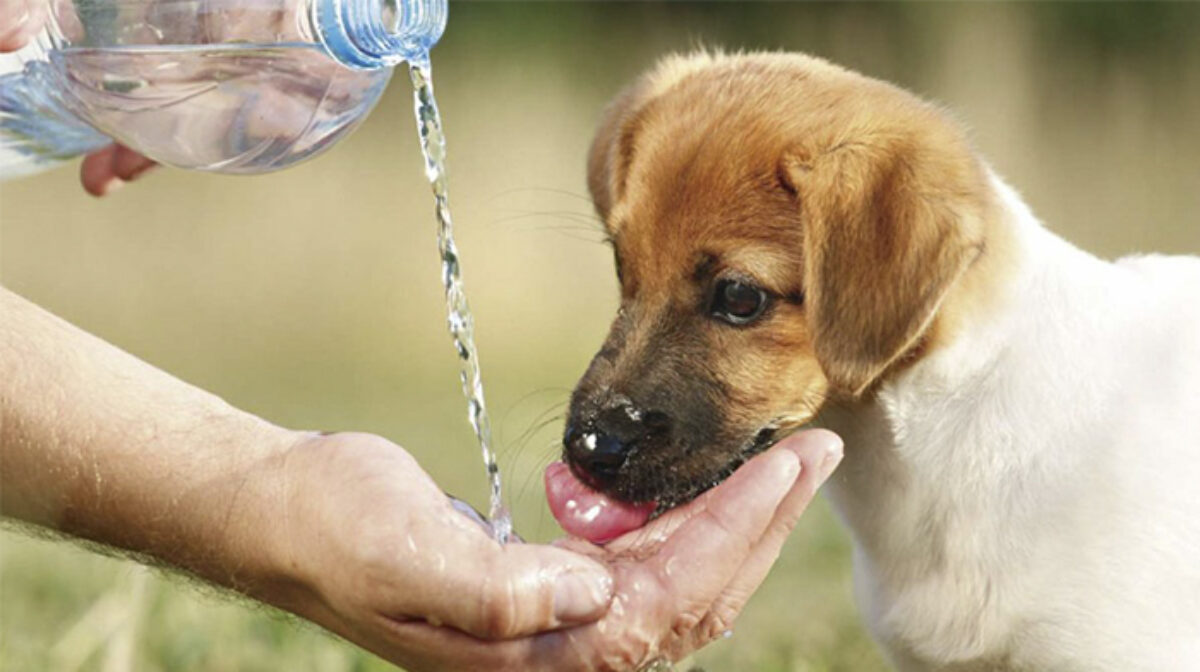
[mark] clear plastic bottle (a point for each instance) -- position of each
(235, 86)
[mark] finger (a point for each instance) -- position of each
(416, 645)
(20, 21)
(637, 542)
(502, 592)
(420, 646)
(700, 558)
(96, 172)
(127, 164)
(646, 540)
(107, 169)
(820, 452)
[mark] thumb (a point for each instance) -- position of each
(503, 592)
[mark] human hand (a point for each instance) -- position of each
(375, 553)
(104, 170)
(107, 169)
(349, 532)
(370, 544)
(20, 21)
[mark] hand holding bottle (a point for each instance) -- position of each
(104, 170)
(215, 85)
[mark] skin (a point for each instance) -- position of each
(104, 170)
(347, 531)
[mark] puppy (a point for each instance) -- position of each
(1021, 418)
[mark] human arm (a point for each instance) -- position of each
(347, 531)
(97, 444)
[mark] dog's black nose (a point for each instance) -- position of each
(598, 447)
(598, 456)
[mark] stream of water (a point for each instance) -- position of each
(462, 325)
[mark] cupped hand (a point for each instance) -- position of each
(376, 554)
(104, 170)
(373, 544)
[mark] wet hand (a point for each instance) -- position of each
(426, 588)
(104, 170)
(368, 546)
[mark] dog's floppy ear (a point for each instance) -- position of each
(888, 227)
(612, 148)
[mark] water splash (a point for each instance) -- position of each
(462, 325)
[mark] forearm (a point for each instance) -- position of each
(98, 444)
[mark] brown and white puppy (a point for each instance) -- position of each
(793, 238)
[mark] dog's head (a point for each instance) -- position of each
(785, 232)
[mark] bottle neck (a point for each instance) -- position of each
(369, 34)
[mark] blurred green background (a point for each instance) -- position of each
(311, 296)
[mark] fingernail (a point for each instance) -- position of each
(833, 457)
(110, 186)
(581, 595)
(787, 469)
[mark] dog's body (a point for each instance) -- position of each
(1026, 497)
(1022, 419)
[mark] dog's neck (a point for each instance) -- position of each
(941, 463)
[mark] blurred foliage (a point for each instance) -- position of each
(311, 296)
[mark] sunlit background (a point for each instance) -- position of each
(312, 296)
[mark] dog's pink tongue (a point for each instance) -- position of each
(586, 513)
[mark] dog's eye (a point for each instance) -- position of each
(738, 303)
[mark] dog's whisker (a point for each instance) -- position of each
(514, 450)
(533, 475)
(544, 190)
(527, 397)
(537, 426)
(566, 233)
(582, 218)
(585, 229)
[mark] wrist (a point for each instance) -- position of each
(213, 518)
(249, 531)
(331, 524)
(100, 445)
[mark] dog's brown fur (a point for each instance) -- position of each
(856, 205)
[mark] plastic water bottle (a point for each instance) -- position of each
(235, 86)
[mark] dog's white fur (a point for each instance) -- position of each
(1028, 496)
